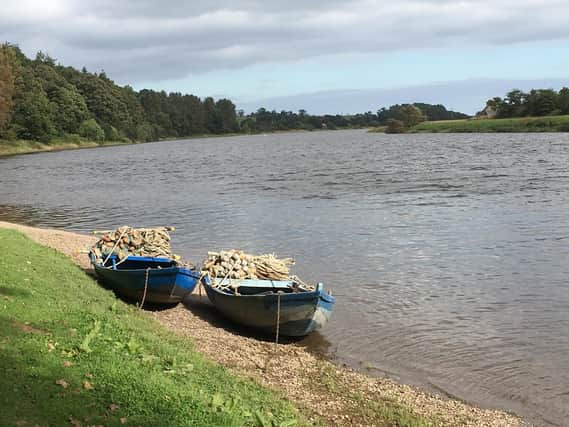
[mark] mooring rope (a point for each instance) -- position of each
(278, 318)
(145, 288)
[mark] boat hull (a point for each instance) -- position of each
(165, 285)
(300, 313)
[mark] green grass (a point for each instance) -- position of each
(9, 148)
(72, 354)
(520, 124)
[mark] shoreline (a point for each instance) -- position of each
(21, 147)
(553, 124)
(339, 395)
(541, 124)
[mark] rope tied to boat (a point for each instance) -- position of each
(278, 319)
(145, 287)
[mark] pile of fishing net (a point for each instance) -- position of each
(126, 241)
(236, 264)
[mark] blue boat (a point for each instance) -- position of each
(258, 304)
(146, 279)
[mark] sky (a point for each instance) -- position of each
(256, 52)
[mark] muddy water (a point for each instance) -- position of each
(449, 254)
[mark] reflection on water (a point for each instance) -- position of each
(448, 253)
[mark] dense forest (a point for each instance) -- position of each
(537, 102)
(41, 100)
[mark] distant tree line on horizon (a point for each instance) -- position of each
(536, 102)
(41, 100)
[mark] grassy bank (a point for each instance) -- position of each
(72, 354)
(520, 124)
(10, 148)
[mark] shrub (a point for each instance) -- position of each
(111, 133)
(72, 138)
(395, 126)
(145, 133)
(9, 134)
(91, 130)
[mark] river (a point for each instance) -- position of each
(448, 254)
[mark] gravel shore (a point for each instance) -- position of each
(339, 395)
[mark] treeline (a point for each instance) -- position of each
(409, 114)
(537, 102)
(41, 100)
(264, 120)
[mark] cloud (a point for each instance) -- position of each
(146, 40)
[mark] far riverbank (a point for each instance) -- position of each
(511, 125)
(474, 125)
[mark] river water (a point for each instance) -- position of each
(448, 254)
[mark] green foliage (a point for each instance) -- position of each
(409, 115)
(145, 132)
(395, 126)
(438, 112)
(536, 103)
(227, 117)
(67, 103)
(71, 353)
(33, 115)
(111, 133)
(563, 100)
(212, 116)
(72, 138)
(427, 111)
(266, 121)
(90, 129)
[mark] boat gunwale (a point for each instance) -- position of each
(318, 292)
(170, 270)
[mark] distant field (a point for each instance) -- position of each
(521, 124)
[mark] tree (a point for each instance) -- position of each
(438, 112)
(69, 106)
(541, 102)
(213, 119)
(228, 118)
(563, 101)
(395, 126)
(409, 115)
(33, 113)
(91, 130)
(7, 84)
(111, 133)
(513, 105)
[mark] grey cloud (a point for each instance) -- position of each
(155, 40)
